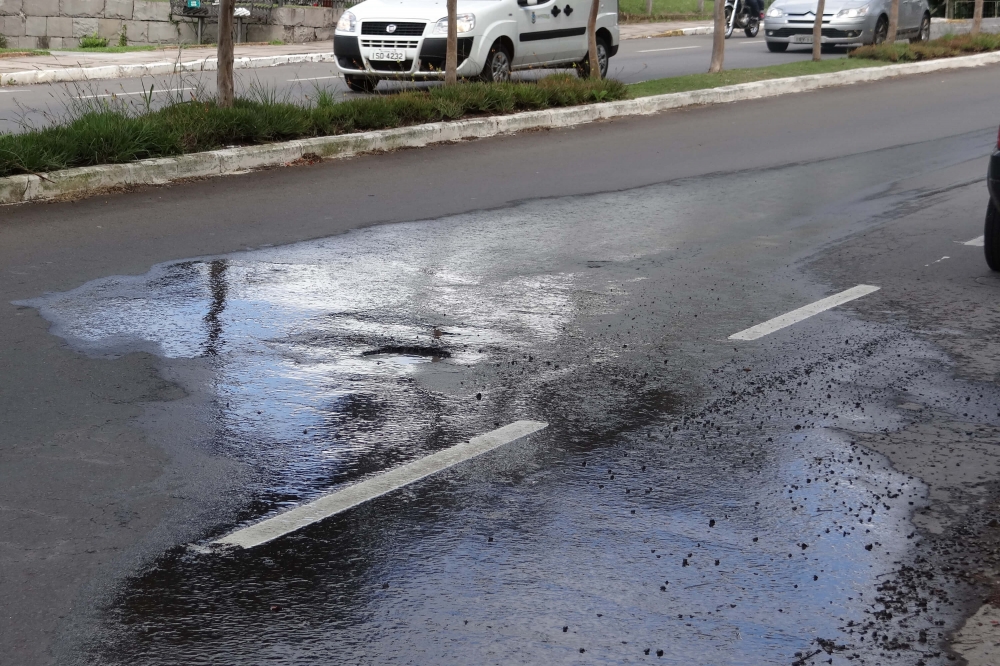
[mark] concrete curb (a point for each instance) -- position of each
(84, 180)
(70, 74)
(700, 30)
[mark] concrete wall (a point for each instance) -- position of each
(54, 24)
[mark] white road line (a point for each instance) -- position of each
(939, 260)
(379, 485)
(795, 316)
(978, 241)
(317, 78)
(141, 92)
(672, 48)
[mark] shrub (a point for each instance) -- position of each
(123, 37)
(3, 42)
(93, 42)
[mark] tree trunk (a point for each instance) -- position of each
(649, 7)
(224, 77)
(818, 31)
(977, 18)
(451, 51)
(890, 38)
(595, 67)
(718, 37)
(701, 7)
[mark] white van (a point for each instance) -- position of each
(406, 39)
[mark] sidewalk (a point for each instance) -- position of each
(76, 60)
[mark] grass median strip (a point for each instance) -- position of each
(731, 77)
(113, 131)
(949, 46)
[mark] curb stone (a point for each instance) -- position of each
(83, 180)
(71, 74)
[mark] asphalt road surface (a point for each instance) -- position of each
(637, 60)
(183, 361)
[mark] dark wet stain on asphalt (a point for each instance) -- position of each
(691, 500)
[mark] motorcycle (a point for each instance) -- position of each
(739, 15)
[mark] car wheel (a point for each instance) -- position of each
(583, 69)
(991, 237)
(752, 29)
(497, 67)
(827, 48)
(925, 29)
(777, 47)
(881, 31)
(360, 84)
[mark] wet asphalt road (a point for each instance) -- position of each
(821, 495)
(637, 60)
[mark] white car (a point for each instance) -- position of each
(406, 39)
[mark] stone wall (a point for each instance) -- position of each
(54, 24)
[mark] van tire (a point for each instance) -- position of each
(497, 67)
(583, 67)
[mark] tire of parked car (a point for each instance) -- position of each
(777, 47)
(361, 84)
(881, 30)
(497, 67)
(603, 50)
(925, 29)
(991, 237)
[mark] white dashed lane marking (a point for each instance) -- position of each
(795, 316)
(978, 241)
(672, 48)
(376, 486)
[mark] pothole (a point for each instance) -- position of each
(404, 350)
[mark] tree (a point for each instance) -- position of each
(224, 76)
(977, 18)
(451, 52)
(701, 7)
(718, 37)
(649, 7)
(818, 31)
(595, 66)
(890, 37)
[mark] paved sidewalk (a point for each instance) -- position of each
(78, 59)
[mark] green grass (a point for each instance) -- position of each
(663, 10)
(34, 52)
(109, 131)
(948, 46)
(111, 49)
(734, 76)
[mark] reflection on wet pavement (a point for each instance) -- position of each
(648, 517)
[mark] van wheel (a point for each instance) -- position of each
(497, 67)
(583, 68)
(361, 84)
(991, 240)
(777, 47)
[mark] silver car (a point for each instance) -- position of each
(844, 22)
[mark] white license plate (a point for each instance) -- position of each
(802, 39)
(398, 56)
